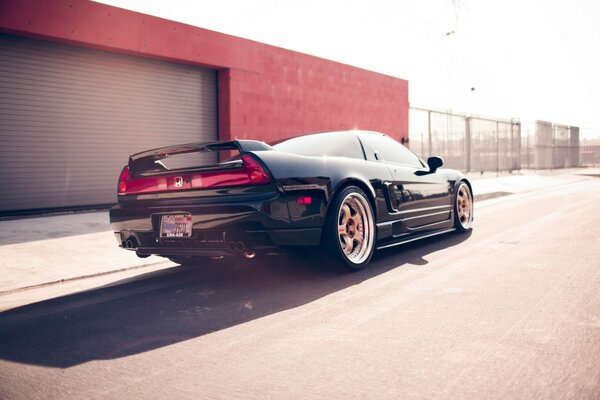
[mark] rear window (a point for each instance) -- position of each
(199, 159)
(331, 144)
(185, 157)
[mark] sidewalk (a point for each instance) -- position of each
(49, 249)
(491, 185)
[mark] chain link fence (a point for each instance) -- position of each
(466, 143)
(546, 145)
(474, 143)
(589, 152)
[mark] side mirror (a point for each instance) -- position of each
(434, 163)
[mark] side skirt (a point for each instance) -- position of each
(414, 238)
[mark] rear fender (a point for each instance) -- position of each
(367, 188)
(319, 178)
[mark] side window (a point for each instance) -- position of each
(383, 148)
(338, 144)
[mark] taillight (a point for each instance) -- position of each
(256, 173)
(123, 178)
(140, 185)
(252, 174)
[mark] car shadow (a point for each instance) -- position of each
(168, 306)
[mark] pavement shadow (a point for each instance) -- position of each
(165, 307)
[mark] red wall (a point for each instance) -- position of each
(265, 92)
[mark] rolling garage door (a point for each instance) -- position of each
(70, 117)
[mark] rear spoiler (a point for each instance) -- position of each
(149, 160)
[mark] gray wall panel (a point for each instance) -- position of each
(70, 117)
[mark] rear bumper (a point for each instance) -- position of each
(224, 243)
(217, 229)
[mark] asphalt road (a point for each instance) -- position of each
(511, 310)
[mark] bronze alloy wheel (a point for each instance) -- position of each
(464, 207)
(356, 228)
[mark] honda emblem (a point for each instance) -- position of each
(178, 181)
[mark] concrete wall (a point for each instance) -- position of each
(265, 92)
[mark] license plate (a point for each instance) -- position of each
(176, 226)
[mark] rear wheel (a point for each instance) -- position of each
(463, 208)
(349, 231)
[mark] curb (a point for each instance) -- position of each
(491, 195)
(76, 278)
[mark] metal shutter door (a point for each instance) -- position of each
(70, 117)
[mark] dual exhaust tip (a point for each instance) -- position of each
(240, 248)
(130, 243)
(235, 247)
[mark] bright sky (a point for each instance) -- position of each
(527, 59)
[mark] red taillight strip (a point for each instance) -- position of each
(256, 173)
(252, 174)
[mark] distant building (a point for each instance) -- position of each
(84, 84)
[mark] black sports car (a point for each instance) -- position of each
(347, 193)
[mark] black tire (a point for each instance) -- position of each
(463, 207)
(349, 233)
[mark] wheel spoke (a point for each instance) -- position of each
(347, 244)
(357, 219)
(345, 214)
(358, 236)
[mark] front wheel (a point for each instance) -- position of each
(463, 208)
(349, 231)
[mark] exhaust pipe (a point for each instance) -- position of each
(236, 247)
(239, 246)
(130, 243)
(231, 246)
